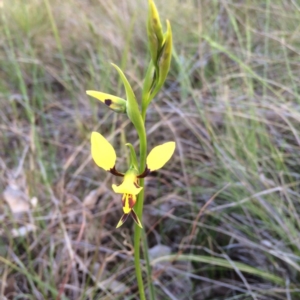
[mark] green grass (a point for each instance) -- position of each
(227, 205)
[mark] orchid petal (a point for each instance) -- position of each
(103, 152)
(160, 155)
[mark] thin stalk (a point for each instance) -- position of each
(139, 212)
(148, 266)
(137, 229)
(144, 236)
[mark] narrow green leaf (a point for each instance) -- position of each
(221, 262)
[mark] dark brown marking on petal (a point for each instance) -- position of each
(108, 102)
(124, 218)
(154, 21)
(115, 172)
(124, 199)
(131, 201)
(136, 185)
(136, 218)
(145, 173)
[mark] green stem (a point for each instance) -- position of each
(137, 229)
(139, 212)
(148, 266)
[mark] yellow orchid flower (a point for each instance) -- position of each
(104, 156)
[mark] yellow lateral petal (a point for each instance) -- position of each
(160, 155)
(103, 153)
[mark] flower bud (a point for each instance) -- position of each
(114, 103)
(155, 33)
(164, 62)
(165, 56)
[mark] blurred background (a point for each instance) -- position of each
(221, 218)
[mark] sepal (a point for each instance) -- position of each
(122, 220)
(133, 160)
(136, 218)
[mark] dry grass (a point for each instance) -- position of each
(226, 208)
